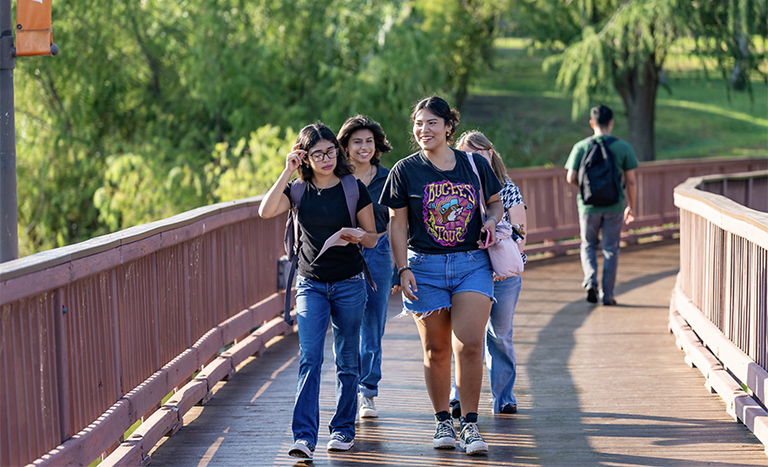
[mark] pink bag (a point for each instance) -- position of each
(505, 254)
(506, 257)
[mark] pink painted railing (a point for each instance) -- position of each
(719, 307)
(553, 223)
(94, 336)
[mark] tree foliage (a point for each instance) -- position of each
(621, 46)
(153, 108)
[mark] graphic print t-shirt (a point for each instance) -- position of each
(443, 206)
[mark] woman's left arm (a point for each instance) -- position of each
(366, 223)
(517, 215)
(493, 210)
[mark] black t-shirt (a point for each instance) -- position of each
(443, 211)
(321, 214)
(380, 212)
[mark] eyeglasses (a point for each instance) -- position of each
(318, 156)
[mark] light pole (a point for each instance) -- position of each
(9, 219)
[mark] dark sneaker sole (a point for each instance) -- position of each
(456, 410)
(592, 296)
(509, 408)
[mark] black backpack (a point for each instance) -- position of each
(599, 179)
(291, 237)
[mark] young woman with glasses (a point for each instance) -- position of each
(329, 287)
(364, 142)
(445, 274)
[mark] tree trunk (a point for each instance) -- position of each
(637, 88)
(739, 74)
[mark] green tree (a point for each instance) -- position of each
(153, 108)
(464, 30)
(621, 46)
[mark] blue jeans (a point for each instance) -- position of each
(500, 353)
(590, 225)
(379, 260)
(500, 358)
(440, 276)
(342, 304)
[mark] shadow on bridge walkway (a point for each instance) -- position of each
(596, 386)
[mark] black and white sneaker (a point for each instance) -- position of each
(302, 449)
(445, 435)
(471, 441)
(340, 442)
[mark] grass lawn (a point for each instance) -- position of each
(517, 106)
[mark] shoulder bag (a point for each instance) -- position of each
(505, 254)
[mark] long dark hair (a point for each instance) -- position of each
(309, 136)
(361, 122)
(440, 108)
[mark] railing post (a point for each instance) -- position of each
(62, 365)
(9, 218)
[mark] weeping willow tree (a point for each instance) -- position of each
(621, 46)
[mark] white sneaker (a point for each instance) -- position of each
(366, 407)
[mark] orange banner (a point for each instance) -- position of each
(34, 33)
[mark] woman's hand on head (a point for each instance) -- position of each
(294, 158)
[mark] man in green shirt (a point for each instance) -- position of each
(609, 219)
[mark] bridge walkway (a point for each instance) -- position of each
(597, 386)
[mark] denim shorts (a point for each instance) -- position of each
(440, 276)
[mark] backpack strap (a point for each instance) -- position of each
(298, 188)
(297, 192)
(471, 159)
(352, 195)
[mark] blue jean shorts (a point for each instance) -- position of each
(440, 276)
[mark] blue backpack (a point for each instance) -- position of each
(291, 240)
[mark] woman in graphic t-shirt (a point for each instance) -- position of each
(445, 273)
(330, 286)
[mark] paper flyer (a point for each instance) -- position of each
(336, 240)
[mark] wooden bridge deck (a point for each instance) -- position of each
(597, 386)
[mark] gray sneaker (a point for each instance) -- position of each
(471, 441)
(302, 449)
(445, 435)
(365, 407)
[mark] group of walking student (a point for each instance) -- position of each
(415, 230)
